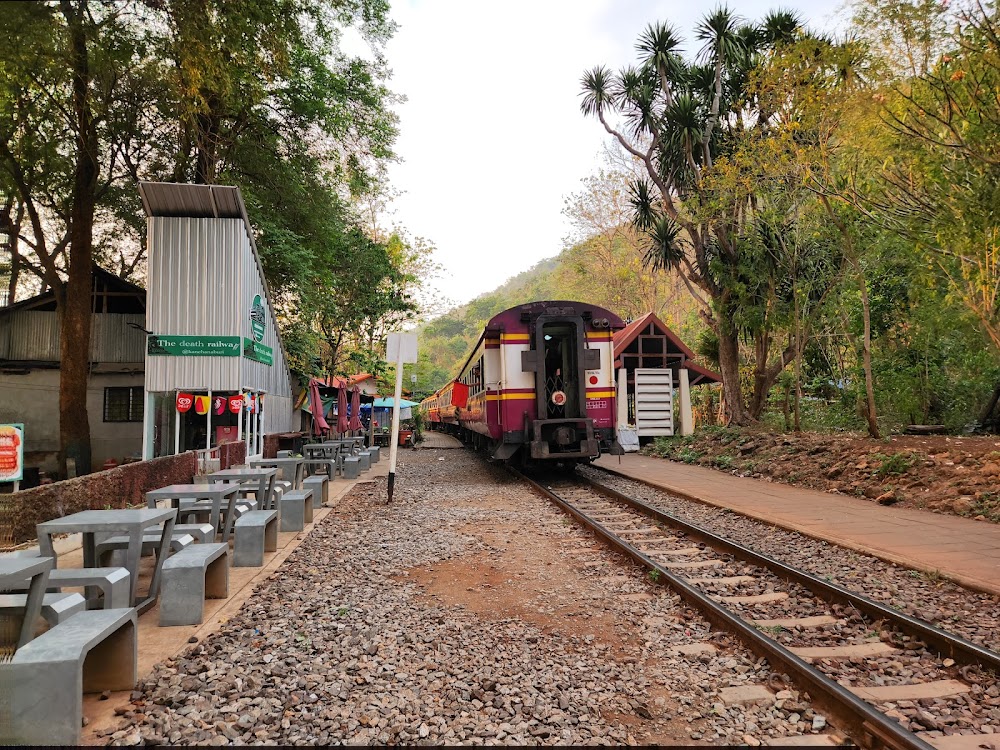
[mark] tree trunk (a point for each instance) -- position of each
(870, 413)
(761, 382)
(729, 368)
(75, 310)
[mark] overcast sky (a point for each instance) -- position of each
(491, 135)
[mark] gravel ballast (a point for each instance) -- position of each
(469, 611)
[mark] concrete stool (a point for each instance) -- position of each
(112, 582)
(43, 686)
(373, 452)
(56, 608)
(352, 467)
(194, 574)
(296, 510)
(256, 533)
(319, 484)
(284, 454)
(364, 461)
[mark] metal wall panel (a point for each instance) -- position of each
(207, 276)
(34, 335)
(112, 339)
(196, 265)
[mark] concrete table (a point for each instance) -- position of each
(322, 450)
(295, 464)
(215, 492)
(132, 522)
(14, 571)
(263, 476)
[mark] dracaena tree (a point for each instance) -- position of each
(697, 208)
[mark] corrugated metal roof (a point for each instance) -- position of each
(195, 201)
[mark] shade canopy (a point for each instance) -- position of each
(387, 403)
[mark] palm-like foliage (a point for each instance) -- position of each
(596, 87)
(664, 250)
(720, 30)
(659, 47)
(780, 27)
(643, 201)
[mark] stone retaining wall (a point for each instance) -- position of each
(121, 487)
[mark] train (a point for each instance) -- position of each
(538, 386)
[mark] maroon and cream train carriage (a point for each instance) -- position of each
(540, 379)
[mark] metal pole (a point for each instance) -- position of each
(394, 435)
(239, 430)
(177, 427)
(208, 431)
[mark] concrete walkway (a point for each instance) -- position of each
(961, 549)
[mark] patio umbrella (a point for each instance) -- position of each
(316, 407)
(355, 423)
(342, 424)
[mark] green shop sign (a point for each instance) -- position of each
(258, 352)
(193, 346)
(257, 319)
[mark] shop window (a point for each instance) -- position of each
(123, 404)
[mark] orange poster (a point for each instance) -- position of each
(11, 452)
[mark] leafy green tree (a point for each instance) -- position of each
(682, 120)
(74, 83)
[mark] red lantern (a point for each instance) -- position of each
(184, 402)
(235, 404)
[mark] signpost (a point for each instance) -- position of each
(401, 348)
(12, 453)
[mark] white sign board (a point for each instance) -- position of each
(401, 347)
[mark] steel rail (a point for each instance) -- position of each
(866, 725)
(947, 644)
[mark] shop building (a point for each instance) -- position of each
(215, 367)
(30, 371)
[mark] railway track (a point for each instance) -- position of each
(858, 659)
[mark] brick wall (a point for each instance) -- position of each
(122, 487)
(232, 454)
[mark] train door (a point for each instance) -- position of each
(560, 373)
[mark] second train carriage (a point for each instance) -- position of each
(539, 383)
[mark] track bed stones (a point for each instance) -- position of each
(455, 615)
(970, 614)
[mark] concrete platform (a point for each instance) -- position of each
(155, 643)
(966, 551)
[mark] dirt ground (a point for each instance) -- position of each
(940, 473)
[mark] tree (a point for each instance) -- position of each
(682, 121)
(70, 107)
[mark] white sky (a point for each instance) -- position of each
(491, 135)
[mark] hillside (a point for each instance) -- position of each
(615, 280)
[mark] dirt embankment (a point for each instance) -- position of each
(944, 474)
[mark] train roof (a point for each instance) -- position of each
(511, 319)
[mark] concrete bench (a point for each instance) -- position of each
(202, 532)
(56, 607)
(373, 453)
(150, 543)
(320, 487)
(194, 574)
(43, 686)
(352, 467)
(364, 461)
(284, 454)
(112, 582)
(256, 533)
(296, 510)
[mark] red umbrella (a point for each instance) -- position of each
(355, 423)
(342, 425)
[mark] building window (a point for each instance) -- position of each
(123, 404)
